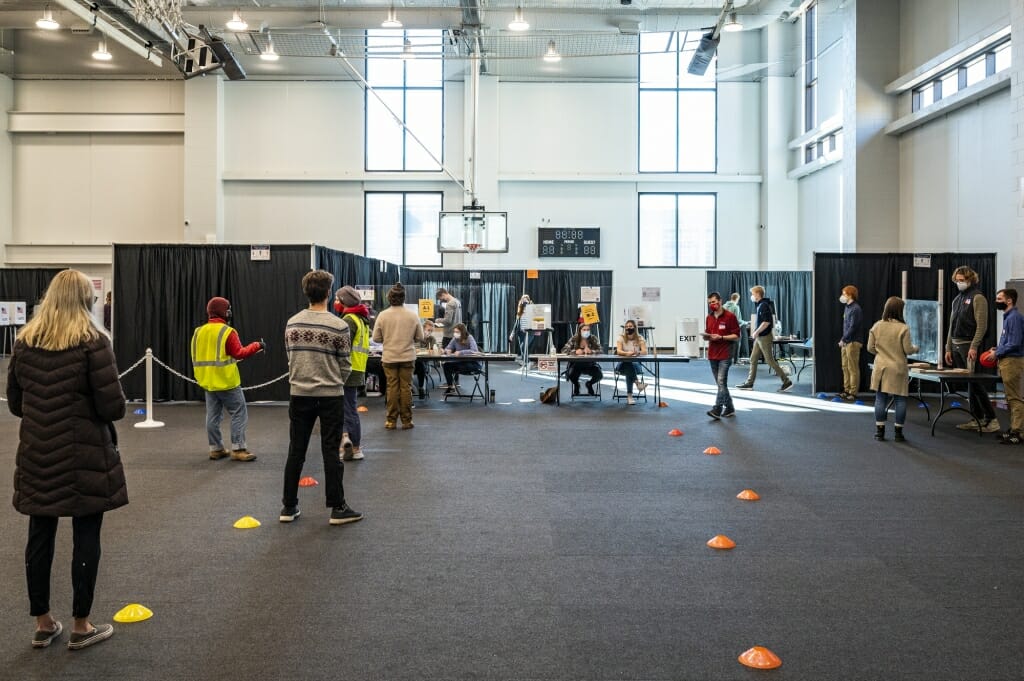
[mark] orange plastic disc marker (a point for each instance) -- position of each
(713, 451)
(662, 404)
(760, 658)
(675, 432)
(720, 541)
(749, 495)
(362, 409)
(308, 482)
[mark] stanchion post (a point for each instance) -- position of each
(149, 422)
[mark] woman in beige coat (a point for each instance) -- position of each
(889, 341)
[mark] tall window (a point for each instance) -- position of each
(405, 68)
(401, 227)
(678, 111)
(811, 67)
(974, 69)
(677, 230)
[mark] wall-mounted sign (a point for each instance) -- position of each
(923, 261)
(650, 294)
(259, 253)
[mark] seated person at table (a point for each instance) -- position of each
(583, 344)
(630, 344)
(426, 346)
(461, 344)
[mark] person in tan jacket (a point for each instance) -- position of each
(399, 330)
(889, 341)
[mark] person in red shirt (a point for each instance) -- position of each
(721, 330)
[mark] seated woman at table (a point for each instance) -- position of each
(461, 344)
(426, 346)
(583, 344)
(889, 341)
(630, 344)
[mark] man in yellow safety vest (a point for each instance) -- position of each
(350, 305)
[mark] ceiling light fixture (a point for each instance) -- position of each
(392, 20)
(732, 25)
(236, 23)
(47, 22)
(269, 54)
(101, 53)
(518, 23)
(407, 52)
(552, 56)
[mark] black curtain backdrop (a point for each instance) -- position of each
(790, 291)
(27, 284)
(878, 276)
(160, 295)
(561, 288)
(350, 269)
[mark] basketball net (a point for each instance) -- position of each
(471, 248)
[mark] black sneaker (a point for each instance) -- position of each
(745, 386)
(289, 513)
(787, 385)
(101, 632)
(713, 413)
(727, 413)
(343, 514)
(42, 639)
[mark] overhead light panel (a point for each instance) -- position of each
(732, 25)
(269, 54)
(236, 23)
(47, 22)
(130, 41)
(552, 56)
(518, 22)
(392, 20)
(101, 53)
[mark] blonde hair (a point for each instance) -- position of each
(63, 319)
(757, 290)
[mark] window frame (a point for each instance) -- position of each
(677, 266)
(405, 214)
(810, 44)
(986, 55)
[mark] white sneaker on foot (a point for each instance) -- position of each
(357, 453)
(630, 400)
(641, 386)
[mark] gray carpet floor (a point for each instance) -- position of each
(521, 541)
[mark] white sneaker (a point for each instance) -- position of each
(970, 425)
(357, 454)
(641, 386)
(346, 448)
(630, 400)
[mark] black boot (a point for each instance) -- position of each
(575, 389)
(880, 432)
(898, 434)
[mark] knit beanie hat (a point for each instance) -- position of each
(396, 296)
(349, 297)
(218, 307)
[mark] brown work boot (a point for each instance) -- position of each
(242, 455)
(219, 453)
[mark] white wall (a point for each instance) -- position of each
(930, 27)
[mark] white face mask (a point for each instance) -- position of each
(584, 334)
(753, 299)
(962, 285)
(456, 336)
(844, 299)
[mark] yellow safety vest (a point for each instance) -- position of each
(213, 368)
(360, 344)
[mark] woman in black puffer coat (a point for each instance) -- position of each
(62, 381)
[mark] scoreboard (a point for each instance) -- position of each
(568, 242)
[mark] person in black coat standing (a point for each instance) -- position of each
(62, 382)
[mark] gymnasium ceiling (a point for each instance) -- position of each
(596, 38)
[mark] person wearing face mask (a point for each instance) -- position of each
(428, 346)
(216, 352)
(851, 342)
(1010, 358)
(461, 344)
(761, 335)
(452, 315)
(630, 344)
(583, 343)
(721, 329)
(968, 324)
(399, 330)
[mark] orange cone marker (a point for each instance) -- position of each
(362, 409)
(675, 432)
(720, 541)
(662, 404)
(749, 495)
(308, 482)
(760, 658)
(714, 451)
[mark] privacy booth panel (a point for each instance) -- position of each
(790, 291)
(160, 295)
(878, 276)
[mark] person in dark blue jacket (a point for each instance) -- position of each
(1010, 356)
(851, 342)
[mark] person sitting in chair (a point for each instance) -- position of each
(427, 346)
(630, 344)
(583, 344)
(461, 344)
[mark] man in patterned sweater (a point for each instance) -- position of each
(318, 346)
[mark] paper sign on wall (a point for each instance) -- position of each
(590, 294)
(365, 293)
(261, 252)
(20, 316)
(923, 261)
(426, 308)
(589, 314)
(650, 294)
(532, 274)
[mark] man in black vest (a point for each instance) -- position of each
(968, 322)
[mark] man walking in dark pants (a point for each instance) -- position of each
(721, 330)
(318, 346)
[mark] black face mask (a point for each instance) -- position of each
(1001, 305)
(630, 331)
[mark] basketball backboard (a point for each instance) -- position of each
(474, 231)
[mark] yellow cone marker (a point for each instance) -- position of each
(133, 612)
(246, 523)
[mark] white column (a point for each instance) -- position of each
(1016, 243)
(6, 168)
(204, 160)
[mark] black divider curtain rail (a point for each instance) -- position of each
(878, 276)
(790, 291)
(28, 284)
(160, 295)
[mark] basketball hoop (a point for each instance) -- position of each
(471, 248)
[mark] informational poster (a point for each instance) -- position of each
(261, 252)
(365, 292)
(20, 313)
(589, 314)
(650, 294)
(590, 294)
(426, 308)
(5, 314)
(474, 275)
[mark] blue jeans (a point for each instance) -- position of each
(899, 404)
(720, 370)
(629, 371)
(353, 426)
(216, 402)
